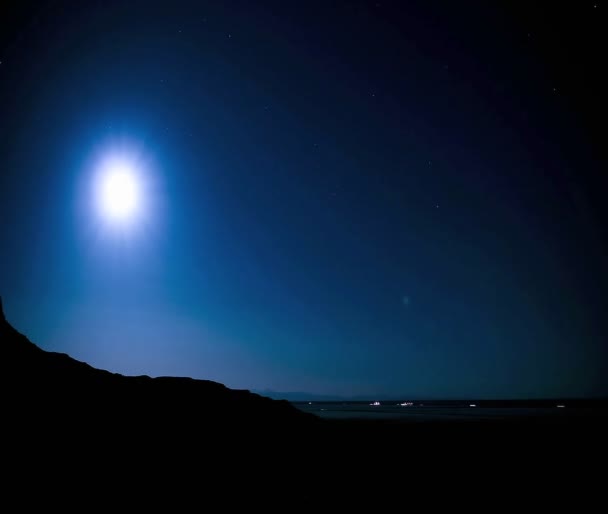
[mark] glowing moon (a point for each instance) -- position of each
(118, 191)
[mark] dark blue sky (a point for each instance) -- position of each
(343, 198)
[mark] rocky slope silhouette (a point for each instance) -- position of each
(54, 393)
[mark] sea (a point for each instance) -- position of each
(453, 410)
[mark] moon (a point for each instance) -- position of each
(118, 191)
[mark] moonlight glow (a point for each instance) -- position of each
(119, 191)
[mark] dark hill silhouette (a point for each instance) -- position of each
(54, 392)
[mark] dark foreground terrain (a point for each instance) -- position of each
(57, 409)
(53, 391)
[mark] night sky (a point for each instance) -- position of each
(349, 198)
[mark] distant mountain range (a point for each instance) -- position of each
(301, 396)
(298, 396)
